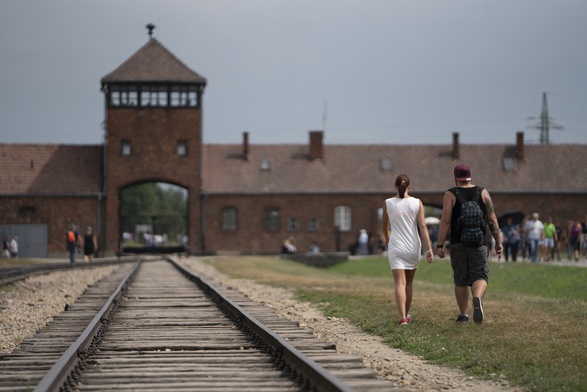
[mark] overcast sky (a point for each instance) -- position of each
(369, 71)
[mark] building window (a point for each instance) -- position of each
(509, 164)
(313, 224)
(293, 224)
(264, 164)
(229, 219)
(272, 219)
(154, 96)
(342, 218)
(385, 164)
(26, 211)
(184, 96)
(123, 95)
(125, 149)
(182, 149)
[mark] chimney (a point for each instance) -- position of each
(316, 151)
(520, 145)
(245, 146)
(455, 145)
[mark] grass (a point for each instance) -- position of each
(6, 262)
(534, 333)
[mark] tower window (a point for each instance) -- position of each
(182, 149)
(184, 96)
(125, 149)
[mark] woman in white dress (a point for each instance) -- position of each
(402, 215)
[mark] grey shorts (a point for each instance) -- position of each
(468, 264)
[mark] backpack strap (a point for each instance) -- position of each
(477, 194)
(461, 198)
(459, 195)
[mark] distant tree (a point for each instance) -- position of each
(162, 206)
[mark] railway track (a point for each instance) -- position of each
(154, 326)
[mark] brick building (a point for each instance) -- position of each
(247, 197)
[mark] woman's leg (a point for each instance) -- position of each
(399, 278)
(409, 284)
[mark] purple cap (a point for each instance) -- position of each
(462, 172)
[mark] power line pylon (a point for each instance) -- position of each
(545, 123)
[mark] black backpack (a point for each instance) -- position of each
(471, 221)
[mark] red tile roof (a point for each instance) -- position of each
(153, 63)
(50, 169)
(75, 169)
(356, 168)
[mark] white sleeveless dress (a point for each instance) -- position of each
(404, 245)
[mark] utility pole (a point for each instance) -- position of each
(545, 122)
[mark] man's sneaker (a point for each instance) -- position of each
(463, 318)
(403, 321)
(477, 310)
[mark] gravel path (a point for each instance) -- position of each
(27, 306)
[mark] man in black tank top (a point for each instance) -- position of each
(469, 263)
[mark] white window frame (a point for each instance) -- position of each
(342, 218)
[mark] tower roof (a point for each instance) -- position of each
(153, 63)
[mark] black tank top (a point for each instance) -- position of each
(455, 236)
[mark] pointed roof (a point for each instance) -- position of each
(153, 63)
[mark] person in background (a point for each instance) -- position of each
(575, 239)
(559, 239)
(404, 214)
(550, 238)
(511, 240)
(89, 244)
(6, 247)
(469, 263)
(314, 249)
(363, 242)
(72, 240)
(535, 234)
(14, 247)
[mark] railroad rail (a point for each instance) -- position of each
(148, 327)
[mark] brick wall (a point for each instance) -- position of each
(153, 135)
(56, 212)
(252, 237)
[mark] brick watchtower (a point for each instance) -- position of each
(153, 120)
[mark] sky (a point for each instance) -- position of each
(365, 72)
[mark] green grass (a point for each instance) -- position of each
(18, 262)
(534, 333)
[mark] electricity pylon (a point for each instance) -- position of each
(545, 122)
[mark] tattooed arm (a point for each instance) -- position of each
(492, 221)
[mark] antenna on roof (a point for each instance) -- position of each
(150, 27)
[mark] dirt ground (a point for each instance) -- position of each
(404, 370)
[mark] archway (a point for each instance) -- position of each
(153, 217)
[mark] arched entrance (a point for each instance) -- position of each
(153, 218)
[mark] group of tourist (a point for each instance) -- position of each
(537, 241)
(10, 247)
